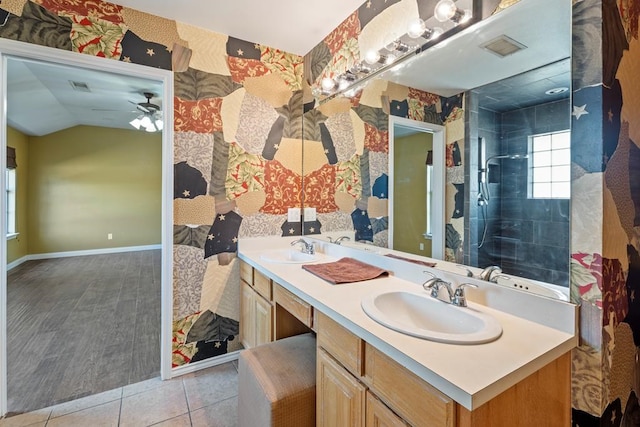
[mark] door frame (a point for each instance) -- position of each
(438, 185)
(16, 49)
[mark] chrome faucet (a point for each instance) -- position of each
(459, 298)
(339, 239)
(434, 284)
(490, 273)
(307, 247)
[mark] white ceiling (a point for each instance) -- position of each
(41, 100)
(294, 26)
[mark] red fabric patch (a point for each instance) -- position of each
(376, 140)
(449, 156)
(94, 8)
(614, 297)
(202, 116)
(283, 188)
(242, 68)
(348, 29)
(424, 97)
(320, 188)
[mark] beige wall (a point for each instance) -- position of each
(86, 182)
(17, 248)
(410, 189)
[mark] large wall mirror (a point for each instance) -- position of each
(506, 173)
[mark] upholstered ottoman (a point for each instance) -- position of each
(277, 383)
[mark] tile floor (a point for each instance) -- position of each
(207, 398)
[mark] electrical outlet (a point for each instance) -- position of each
(309, 214)
(109, 236)
(422, 246)
(293, 215)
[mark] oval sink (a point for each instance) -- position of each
(423, 316)
(288, 256)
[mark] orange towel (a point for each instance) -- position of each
(345, 270)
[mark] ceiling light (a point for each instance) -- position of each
(556, 90)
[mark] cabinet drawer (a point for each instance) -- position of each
(378, 415)
(262, 284)
(413, 399)
(347, 348)
(294, 305)
(246, 272)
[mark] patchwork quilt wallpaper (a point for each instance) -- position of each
(243, 109)
(237, 146)
(349, 138)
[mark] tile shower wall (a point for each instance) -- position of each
(524, 236)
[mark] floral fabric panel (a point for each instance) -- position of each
(346, 31)
(282, 187)
(181, 351)
(348, 177)
(615, 303)
(376, 140)
(245, 172)
(586, 277)
(92, 8)
(287, 65)
(201, 116)
(242, 68)
(319, 189)
(97, 37)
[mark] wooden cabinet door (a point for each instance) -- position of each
(378, 415)
(340, 397)
(263, 320)
(247, 316)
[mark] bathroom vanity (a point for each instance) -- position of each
(369, 374)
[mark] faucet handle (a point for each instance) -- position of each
(434, 284)
(469, 272)
(459, 298)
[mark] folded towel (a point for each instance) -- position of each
(345, 270)
(415, 261)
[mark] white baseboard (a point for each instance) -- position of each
(81, 253)
(203, 364)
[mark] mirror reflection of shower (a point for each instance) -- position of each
(484, 178)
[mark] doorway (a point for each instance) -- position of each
(416, 187)
(16, 51)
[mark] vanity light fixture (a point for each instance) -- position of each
(446, 10)
(397, 49)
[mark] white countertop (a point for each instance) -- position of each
(469, 374)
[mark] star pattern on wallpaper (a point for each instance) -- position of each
(579, 111)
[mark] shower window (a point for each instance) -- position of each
(550, 165)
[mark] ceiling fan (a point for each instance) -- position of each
(151, 117)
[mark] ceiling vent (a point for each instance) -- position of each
(503, 46)
(80, 86)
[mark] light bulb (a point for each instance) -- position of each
(145, 122)
(151, 127)
(444, 10)
(417, 27)
(372, 56)
(136, 123)
(389, 59)
(328, 84)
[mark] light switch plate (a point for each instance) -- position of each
(309, 214)
(293, 215)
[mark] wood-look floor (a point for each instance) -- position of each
(81, 325)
